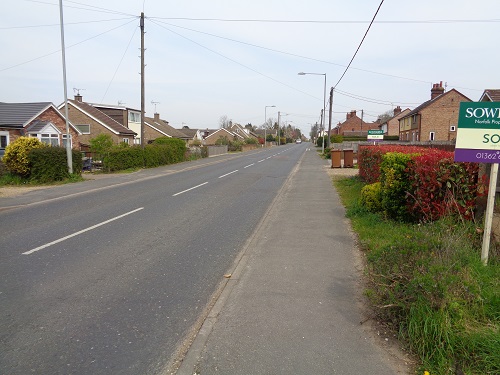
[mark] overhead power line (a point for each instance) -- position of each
(325, 21)
(359, 46)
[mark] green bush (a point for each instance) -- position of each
(3, 169)
(395, 184)
(50, 164)
(336, 138)
(371, 197)
(119, 158)
(16, 155)
(252, 141)
(101, 145)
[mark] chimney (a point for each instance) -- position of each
(78, 98)
(351, 114)
(437, 89)
(397, 110)
(157, 116)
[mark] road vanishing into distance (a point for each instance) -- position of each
(112, 280)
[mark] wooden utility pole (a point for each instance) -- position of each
(361, 122)
(330, 118)
(142, 80)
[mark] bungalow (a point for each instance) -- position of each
(41, 120)
(156, 127)
(195, 136)
(211, 138)
(91, 122)
(435, 119)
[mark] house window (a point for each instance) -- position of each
(453, 128)
(65, 137)
(432, 136)
(137, 141)
(134, 117)
(125, 140)
(4, 140)
(84, 128)
(50, 139)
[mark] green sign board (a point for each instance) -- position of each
(478, 132)
(375, 134)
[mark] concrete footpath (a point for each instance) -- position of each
(293, 304)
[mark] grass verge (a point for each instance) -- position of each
(427, 282)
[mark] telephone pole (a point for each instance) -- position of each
(142, 79)
(330, 118)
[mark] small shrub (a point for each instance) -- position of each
(101, 145)
(371, 197)
(16, 155)
(395, 184)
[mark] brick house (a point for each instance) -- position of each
(354, 126)
(434, 120)
(391, 126)
(155, 127)
(212, 137)
(195, 136)
(41, 120)
(91, 122)
(128, 117)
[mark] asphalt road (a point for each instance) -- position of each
(110, 281)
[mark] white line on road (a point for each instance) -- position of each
(227, 174)
(249, 165)
(260, 161)
(185, 191)
(80, 232)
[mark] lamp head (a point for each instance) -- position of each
(301, 73)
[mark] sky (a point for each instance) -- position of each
(209, 59)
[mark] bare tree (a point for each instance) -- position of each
(224, 122)
(387, 115)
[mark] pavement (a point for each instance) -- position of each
(294, 304)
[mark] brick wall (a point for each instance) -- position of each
(440, 115)
(59, 122)
(78, 118)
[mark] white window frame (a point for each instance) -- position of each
(137, 141)
(7, 137)
(432, 136)
(126, 140)
(50, 139)
(81, 130)
(134, 116)
(453, 128)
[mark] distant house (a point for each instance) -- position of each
(195, 136)
(435, 119)
(242, 131)
(490, 95)
(154, 127)
(354, 126)
(91, 122)
(40, 120)
(391, 126)
(212, 137)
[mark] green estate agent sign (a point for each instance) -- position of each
(478, 132)
(375, 134)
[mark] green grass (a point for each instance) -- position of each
(14, 180)
(428, 283)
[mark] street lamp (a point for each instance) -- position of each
(324, 104)
(265, 122)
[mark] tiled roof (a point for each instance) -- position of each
(101, 117)
(18, 114)
(493, 95)
(429, 102)
(165, 128)
(188, 132)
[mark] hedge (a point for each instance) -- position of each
(50, 164)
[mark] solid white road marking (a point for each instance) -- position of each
(227, 174)
(249, 165)
(80, 232)
(184, 191)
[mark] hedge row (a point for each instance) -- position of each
(50, 164)
(418, 184)
(162, 151)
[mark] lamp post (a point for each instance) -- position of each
(324, 104)
(265, 123)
